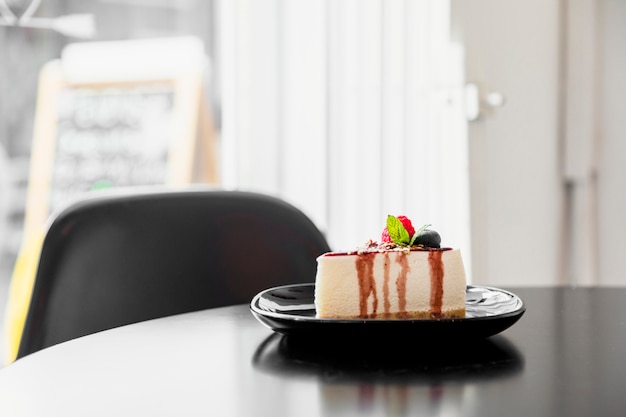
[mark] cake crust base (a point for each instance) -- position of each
(451, 314)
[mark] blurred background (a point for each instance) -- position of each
(498, 122)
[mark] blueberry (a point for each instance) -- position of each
(428, 238)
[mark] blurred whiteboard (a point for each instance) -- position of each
(117, 114)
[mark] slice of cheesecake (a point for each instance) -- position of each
(392, 280)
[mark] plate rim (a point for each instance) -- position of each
(313, 319)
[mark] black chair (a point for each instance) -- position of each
(119, 259)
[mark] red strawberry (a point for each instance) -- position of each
(385, 238)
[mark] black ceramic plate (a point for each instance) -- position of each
(290, 310)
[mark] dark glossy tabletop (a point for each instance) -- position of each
(565, 357)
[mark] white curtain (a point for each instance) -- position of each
(350, 110)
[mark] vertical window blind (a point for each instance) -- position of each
(350, 110)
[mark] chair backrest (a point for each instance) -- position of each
(120, 259)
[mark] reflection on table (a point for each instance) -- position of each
(378, 377)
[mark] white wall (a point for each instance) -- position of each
(611, 176)
(548, 167)
(594, 157)
(512, 48)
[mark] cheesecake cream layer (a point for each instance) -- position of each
(391, 284)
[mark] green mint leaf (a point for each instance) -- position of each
(418, 232)
(397, 231)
